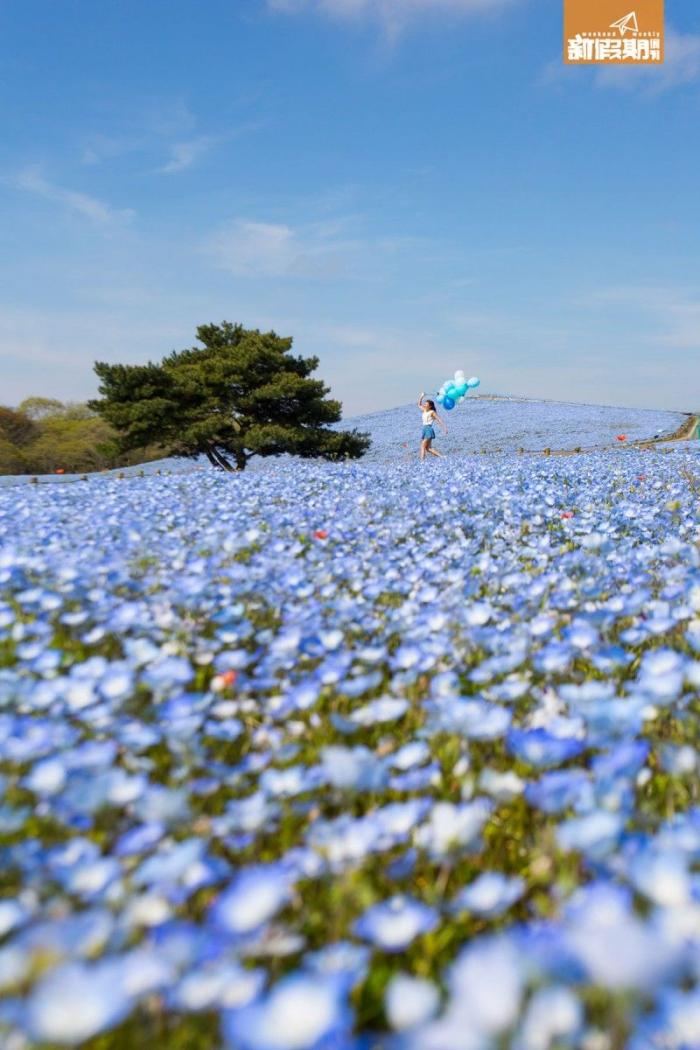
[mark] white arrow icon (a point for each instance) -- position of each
(627, 24)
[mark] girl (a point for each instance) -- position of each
(430, 417)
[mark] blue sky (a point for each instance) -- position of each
(406, 186)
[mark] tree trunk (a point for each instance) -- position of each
(225, 463)
(221, 462)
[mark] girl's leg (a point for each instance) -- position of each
(424, 447)
(434, 452)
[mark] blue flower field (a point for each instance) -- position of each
(376, 755)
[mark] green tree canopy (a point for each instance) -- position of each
(16, 426)
(241, 394)
(42, 408)
(44, 435)
(38, 408)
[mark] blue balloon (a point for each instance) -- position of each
(448, 403)
(440, 399)
(461, 390)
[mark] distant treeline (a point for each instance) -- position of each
(42, 436)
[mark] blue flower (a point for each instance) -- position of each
(301, 1012)
(539, 748)
(75, 1002)
(395, 923)
(256, 894)
(489, 895)
(410, 1001)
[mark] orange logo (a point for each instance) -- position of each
(614, 32)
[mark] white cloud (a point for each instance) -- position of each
(681, 66)
(394, 14)
(263, 249)
(187, 152)
(184, 154)
(32, 181)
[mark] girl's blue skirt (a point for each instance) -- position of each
(428, 432)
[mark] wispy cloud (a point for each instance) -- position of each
(393, 14)
(681, 66)
(166, 135)
(264, 249)
(32, 181)
(184, 154)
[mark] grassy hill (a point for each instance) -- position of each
(481, 424)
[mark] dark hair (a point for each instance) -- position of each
(430, 404)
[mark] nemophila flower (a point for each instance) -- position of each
(679, 761)
(662, 876)
(75, 1002)
(347, 963)
(170, 864)
(485, 986)
(294, 780)
(554, 1015)
(394, 821)
(158, 803)
(410, 1001)
(616, 948)
(489, 894)
(581, 634)
(299, 1013)
(221, 985)
(453, 827)
(256, 894)
(417, 779)
(539, 748)
(386, 709)
(148, 910)
(12, 914)
(594, 834)
(477, 719)
(144, 971)
(623, 761)
(560, 790)
(47, 777)
(410, 755)
(394, 924)
(356, 768)
(168, 671)
(675, 1024)
(92, 879)
(149, 781)
(661, 675)
(501, 786)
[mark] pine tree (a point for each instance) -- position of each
(241, 394)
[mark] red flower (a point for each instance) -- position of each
(59, 471)
(566, 514)
(641, 477)
(622, 437)
(229, 678)
(320, 534)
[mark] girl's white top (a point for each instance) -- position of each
(428, 416)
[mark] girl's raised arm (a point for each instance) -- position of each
(420, 399)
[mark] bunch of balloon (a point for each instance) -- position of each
(453, 391)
